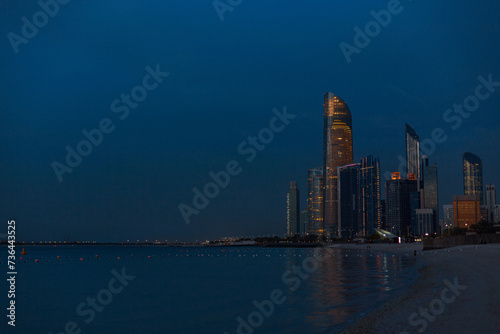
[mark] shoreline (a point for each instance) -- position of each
(471, 271)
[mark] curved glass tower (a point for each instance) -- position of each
(473, 175)
(337, 152)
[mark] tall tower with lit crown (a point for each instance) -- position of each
(337, 151)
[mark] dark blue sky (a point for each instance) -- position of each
(225, 79)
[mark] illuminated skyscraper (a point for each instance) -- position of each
(473, 176)
(315, 192)
(412, 152)
(370, 207)
(337, 151)
(292, 211)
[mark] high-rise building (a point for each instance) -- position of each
(370, 206)
(473, 175)
(398, 208)
(466, 211)
(424, 222)
(383, 225)
(448, 216)
(337, 151)
(412, 152)
(303, 222)
(415, 204)
(293, 210)
(430, 199)
(315, 192)
(491, 196)
(491, 203)
(348, 177)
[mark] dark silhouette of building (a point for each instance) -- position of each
(348, 186)
(293, 210)
(398, 208)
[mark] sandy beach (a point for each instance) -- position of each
(458, 292)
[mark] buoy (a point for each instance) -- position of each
(36, 260)
(149, 257)
(20, 258)
(23, 252)
(58, 256)
(81, 259)
(118, 257)
(96, 256)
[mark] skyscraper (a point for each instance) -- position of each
(348, 187)
(292, 210)
(491, 203)
(315, 192)
(398, 208)
(337, 151)
(370, 207)
(473, 175)
(430, 191)
(412, 152)
(491, 197)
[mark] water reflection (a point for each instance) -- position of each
(344, 284)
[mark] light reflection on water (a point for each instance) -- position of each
(193, 290)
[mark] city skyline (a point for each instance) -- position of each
(225, 79)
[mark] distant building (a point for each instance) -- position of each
(491, 203)
(370, 206)
(484, 213)
(424, 222)
(412, 152)
(466, 211)
(430, 199)
(398, 209)
(315, 201)
(337, 151)
(348, 186)
(448, 215)
(303, 222)
(491, 196)
(293, 210)
(473, 175)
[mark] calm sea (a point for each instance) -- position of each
(157, 289)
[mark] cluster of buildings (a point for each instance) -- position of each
(344, 196)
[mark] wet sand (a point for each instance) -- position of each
(458, 292)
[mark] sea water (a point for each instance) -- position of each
(160, 289)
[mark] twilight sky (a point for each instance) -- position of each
(225, 78)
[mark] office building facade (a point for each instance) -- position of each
(473, 176)
(412, 152)
(398, 209)
(466, 211)
(315, 192)
(348, 197)
(370, 206)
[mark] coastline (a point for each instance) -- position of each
(473, 308)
